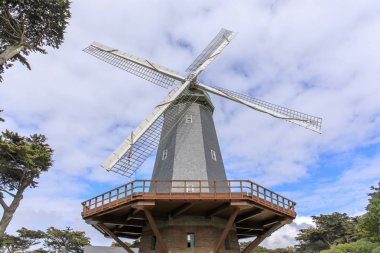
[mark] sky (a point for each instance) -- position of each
(318, 57)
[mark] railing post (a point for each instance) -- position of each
(257, 191)
(143, 186)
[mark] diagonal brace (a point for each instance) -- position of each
(153, 225)
(113, 236)
(226, 230)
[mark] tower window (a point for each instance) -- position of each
(227, 243)
(190, 240)
(189, 118)
(164, 154)
(153, 242)
(213, 155)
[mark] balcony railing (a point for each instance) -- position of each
(189, 190)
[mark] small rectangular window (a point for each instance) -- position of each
(227, 243)
(164, 154)
(213, 155)
(190, 240)
(153, 242)
(189, 118)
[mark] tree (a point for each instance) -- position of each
(330, 230)
(22, 160)
(260, 249)
(134, 244)
(361, 246)
(25, 239)
(369, 223)
(28, 26)
(65, 240)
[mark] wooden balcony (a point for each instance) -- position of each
(189, 191)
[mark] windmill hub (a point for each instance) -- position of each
(188, 205)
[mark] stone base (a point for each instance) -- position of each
(206, 232)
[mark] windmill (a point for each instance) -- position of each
(189, 183)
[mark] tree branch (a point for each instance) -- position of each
(8, 193)
(3, 204)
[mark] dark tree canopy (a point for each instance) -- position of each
(330, 229)
(25, 239)
(68, 240)
(28, 26)
(22, 160)
(51, 241)
(369, 223)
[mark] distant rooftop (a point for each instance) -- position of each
(102, 249)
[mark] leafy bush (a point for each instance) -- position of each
(361, 246)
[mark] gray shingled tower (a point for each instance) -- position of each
(189, 149)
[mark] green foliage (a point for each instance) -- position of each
(31, 25)
(25, 239)
(361, 246)
(68, 240)
(369, 223)
(260, 249)
(54, 240)
(22, 160)
(330, 230)
(134, 244)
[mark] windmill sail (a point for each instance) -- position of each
(214, 48)
(142, 147)
(298, 118)
(145, 69)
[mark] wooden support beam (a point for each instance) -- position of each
(248, 215)
(128, 230)
(137, 216)
(120, 242)
(218, 209)
(181, 209)
(226, 230)
(152, 223)
(264, 235)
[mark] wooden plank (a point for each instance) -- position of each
(113, 236)
(181, 209)
(218, 209)
(249, 215)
